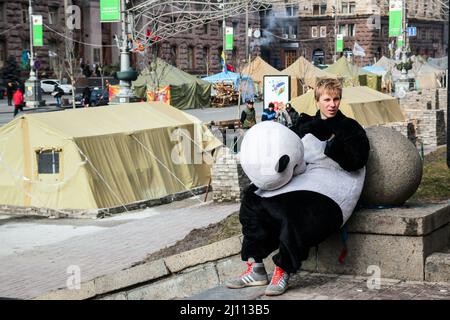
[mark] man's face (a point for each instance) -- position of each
(329, 104)
(249, 105)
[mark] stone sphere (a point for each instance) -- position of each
(394, 168)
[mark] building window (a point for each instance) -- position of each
(316, 9)
(96, 54)
(191, 57)
(314, 32)
(205, 28)
(348, 30)
(319, 9)
(173, 55)
(2, 53)
(348, 7)
(351, 30)
(235, 29)
(24, 13)
(48, 161)
(291, 11)
(323, 31)
(234, 56)
(220, 28)
(293, 31)
(53, 15)
(3, 11)
(206, 55)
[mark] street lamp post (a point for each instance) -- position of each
(126, 73)
(33, 95)
(335, 31)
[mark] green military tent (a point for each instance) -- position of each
(353, 75)
(186, 91)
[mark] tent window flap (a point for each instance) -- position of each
(48, 162)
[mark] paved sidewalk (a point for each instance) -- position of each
(117, 242)
(311, 286)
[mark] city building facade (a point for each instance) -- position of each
(364, 22)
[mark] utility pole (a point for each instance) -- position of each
(223, 27)
(247, 53)
(33, 95)
(335, 30)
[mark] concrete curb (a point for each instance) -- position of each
(177, 274)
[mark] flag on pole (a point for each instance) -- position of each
(395, 17)
(223, 61)
(358, 50)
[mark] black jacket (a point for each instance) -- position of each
(349, 147)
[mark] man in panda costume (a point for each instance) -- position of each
(298, 199)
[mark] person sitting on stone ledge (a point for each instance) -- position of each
(312, 205)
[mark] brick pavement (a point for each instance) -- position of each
(311, 286)
(34, 272)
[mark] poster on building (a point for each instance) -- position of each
(276, 90)
(38, 33)
(229, 38)
(162, 95)
(395, 17)
(339, 42)
(113, 91)
(109, 10)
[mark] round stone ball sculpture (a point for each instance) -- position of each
(394, 168)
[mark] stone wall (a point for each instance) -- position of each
(406, 128)
(228, 177)
(427, 109)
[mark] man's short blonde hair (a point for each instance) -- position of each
(329, 86)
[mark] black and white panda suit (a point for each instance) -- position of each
(314, 204)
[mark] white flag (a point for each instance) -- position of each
(358, 50)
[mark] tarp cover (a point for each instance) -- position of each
(108, 156)
(186, 91)
(367, 106)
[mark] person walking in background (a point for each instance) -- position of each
(248, 116)
(58, 93)
(283, 116)
(86, 97)
(292, 113)
(19, 101)
(269, 114)
(10, 89)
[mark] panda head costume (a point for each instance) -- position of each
(271, 154)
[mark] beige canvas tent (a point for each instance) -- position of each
(257, 69)
(369, 107)
(304, 73)
(101, 157)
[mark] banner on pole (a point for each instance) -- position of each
(38, 33)
(395, 17)
(229, 38)
(109, 10)
(339, 42)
